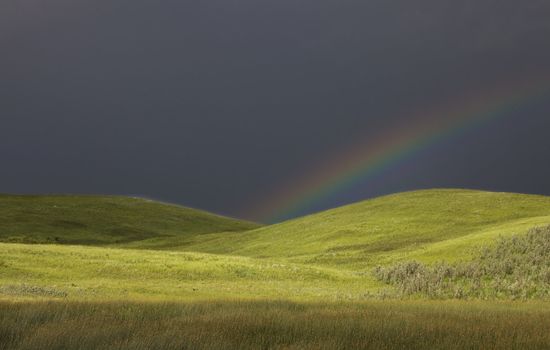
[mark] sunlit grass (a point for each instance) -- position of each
(99, 273)
(426, 225)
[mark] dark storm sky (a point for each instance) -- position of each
(217, 103)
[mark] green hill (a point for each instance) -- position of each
(154, 250)
(98, 220)
(426, 225)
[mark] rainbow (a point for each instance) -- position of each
(368, 158)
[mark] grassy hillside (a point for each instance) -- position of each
(427, 225)
(102, 220)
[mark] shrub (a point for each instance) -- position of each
(515, 268)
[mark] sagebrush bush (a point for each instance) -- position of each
(517, 267)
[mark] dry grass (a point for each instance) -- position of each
(274, 325)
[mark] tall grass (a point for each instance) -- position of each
(273, 325)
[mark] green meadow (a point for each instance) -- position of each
(109, 272)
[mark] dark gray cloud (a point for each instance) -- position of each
(215, 103)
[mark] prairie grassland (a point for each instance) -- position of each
(79, 272)
(427, 225)
(308, 259)
(274, 325)
(122, 273)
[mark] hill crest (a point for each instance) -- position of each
(98, 220)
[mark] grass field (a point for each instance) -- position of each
(274, 325)
(76, 272)
(132, 273)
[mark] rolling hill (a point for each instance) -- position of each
(100, 220)
(133, 248)
(428, 225)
